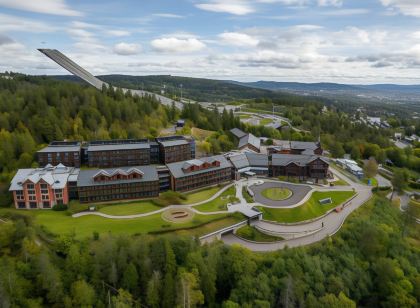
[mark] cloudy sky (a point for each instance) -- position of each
(348, 41)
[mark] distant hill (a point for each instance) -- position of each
(325, 86)
(199, 89)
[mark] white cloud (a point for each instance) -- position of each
(406, 7)
(14, 23)
(54, 7)
(168, 15)
(126, 49)
(345, 12)
(175, 44)
(235, 7)
(330, 2)
(118, 33)
(238, 39)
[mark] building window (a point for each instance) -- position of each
(19, 195)
(32, 205)
(21, 205)
(46, 205)
(44, 189)
(58, 193)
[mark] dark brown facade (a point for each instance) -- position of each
(317, 169)
(122, 191)
(118, 157)
(118, 184)
(175, 153)
(60, 152)
(68, 159)
(195, 181)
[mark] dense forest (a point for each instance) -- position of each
(35, 111)
(374, 261)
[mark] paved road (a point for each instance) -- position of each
(383, 181)
(331, 223)
(298, 193)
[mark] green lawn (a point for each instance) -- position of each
(340, 182)
(252, 234)
(130, 208)
(201, 195)
(276, 193)
(309, 210)
(220, 203)
(246, 195)
(83, 227)
(212, 226)
(265, 121)
(244, 116)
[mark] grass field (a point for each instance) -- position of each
(212, 226)
(220, 203)
(265, 121)
(252, 234)
(277, 193)
(130, 208)
(201, 195)
(244, 116)
(309, 210)
(83, 227)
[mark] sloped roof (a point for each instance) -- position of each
(57, 176)
(177, 169)
(297, 145)
(300, 160)
(86, 176)
(257, 160)
(237, 133)
(249, 139)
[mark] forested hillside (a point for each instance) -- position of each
(35, 111)
(373, 261)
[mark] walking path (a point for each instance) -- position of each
(177, 206)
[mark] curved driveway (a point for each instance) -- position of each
(330, 223)
(298, 193)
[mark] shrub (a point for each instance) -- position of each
(76, 207)
(95, 235)
(60, 207)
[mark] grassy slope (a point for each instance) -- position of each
(200, 195)
(218, 204)
(61, 223)
(252, 234)
(265, 121)
(308, 210)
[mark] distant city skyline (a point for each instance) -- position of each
(342, 41)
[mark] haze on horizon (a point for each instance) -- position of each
(342, 41)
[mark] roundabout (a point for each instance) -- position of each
(279, 194)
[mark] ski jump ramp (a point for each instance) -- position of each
(79, 71)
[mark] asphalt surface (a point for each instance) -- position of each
(330, 223)
(298, 193)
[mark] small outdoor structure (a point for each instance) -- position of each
(325, 201)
